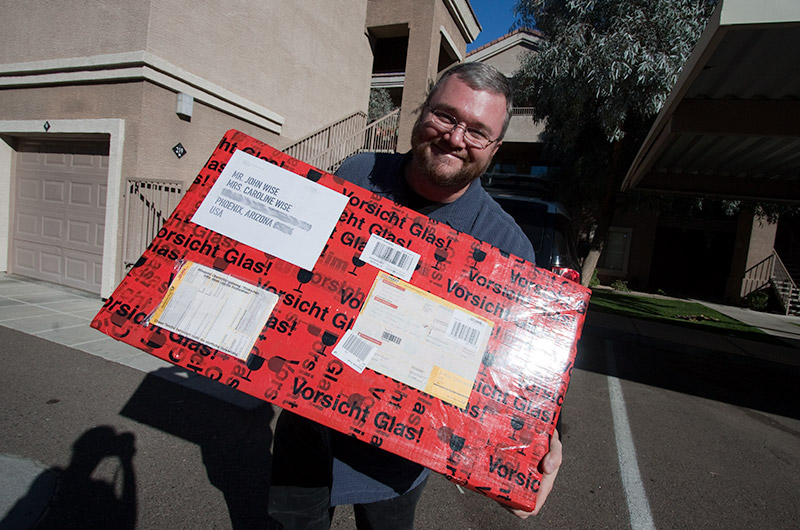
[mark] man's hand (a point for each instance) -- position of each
(548, 467)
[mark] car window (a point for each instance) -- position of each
(530, 216)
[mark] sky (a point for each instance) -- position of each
(496, 18)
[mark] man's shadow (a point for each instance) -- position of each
(235, 442)
(81, 500)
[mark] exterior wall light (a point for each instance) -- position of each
(184, 107)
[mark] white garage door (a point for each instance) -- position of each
(59, 212)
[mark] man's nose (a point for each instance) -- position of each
(456, 135)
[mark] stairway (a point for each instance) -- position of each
(784, 280)
(327, 148)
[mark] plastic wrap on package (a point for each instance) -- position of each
(491, 442)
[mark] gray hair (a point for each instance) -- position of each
(479, 76)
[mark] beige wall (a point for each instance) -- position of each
(507, 60)
(755, 240)
(309, 62)
(59, 29)
(272, 69)
(425, 20)
(275, 70)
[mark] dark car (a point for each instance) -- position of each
(547, 224)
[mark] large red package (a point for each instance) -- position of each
(392, 328)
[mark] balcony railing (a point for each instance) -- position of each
(333, 147)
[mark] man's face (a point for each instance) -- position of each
(444, 157)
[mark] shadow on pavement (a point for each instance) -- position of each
(80, 500)
(235, 443)
(738, 380)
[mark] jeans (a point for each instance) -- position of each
(295, 508)
(300, 491)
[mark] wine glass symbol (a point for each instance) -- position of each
(303, 276)
(457, 442)
(328, 339)
(440, 255)
(516, 424)
(254, 361)
(487, 361)
(356, 263)
(478, 255)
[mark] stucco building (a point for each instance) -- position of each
(109, 109)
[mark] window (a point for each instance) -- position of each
(615, 254)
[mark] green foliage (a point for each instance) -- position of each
(757, 300)
(600, 75)
(674, 312)
(621, 286)
(595, 281)
(380, 104)
(603, 62)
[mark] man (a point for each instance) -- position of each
(460, 128)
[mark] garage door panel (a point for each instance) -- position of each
(27, 225)
(80, 194)
(53, 228)
(26, 260)
(82, 270)
(38, 261)
(60, 213)
(25, 158)
(29, 189)
(54, 192)
(85, 161)
(76, 270)
(50, 263)
(80, 232)
(55, 159)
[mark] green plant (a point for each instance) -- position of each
(757, 300)
(595, 281)
(380, 104)
(621, 286)
(676, 312)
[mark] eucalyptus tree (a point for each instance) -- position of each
(600, 75)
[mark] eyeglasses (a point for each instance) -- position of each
(446, 123)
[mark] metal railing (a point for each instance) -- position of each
(327, 137)
(759, 275)
(772, 272)
(785, 286)
(148, 204)
(380, 136)
(522, 111)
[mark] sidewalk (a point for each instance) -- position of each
(63, 315)
(785, 351)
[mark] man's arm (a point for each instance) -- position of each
(548, 467)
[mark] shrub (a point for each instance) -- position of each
(621, 285)
(757, 300)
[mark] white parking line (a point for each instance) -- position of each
(638, 506)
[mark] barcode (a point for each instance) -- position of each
(465, 333)
(356, 346)
(390, 337)
(393, 256)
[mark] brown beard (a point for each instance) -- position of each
(424, 160)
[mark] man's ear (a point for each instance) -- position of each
(496, 147)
